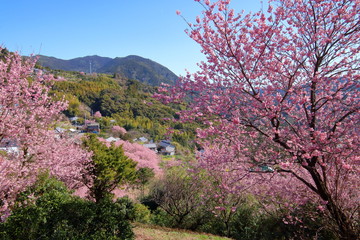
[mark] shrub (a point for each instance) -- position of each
(142, 213)
(49, 211)
(161, 218)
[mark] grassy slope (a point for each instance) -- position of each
(148, 232)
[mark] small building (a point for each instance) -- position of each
(141, 139)
(166, 148)
(92, 128)
(151, 146)
(261, 169)
(73, 130)
(169, 150)
(73, 119)
(112, 139)
(59, 130)
(9, 146)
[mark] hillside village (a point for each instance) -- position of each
(163, 147)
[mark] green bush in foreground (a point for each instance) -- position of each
(56, 214)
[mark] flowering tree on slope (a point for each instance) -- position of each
(97, 114)
(280, 92)
(27, 115)
(144, 157)
(120, 131)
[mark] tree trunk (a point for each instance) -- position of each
(345, 228)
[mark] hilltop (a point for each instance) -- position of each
(130, 67)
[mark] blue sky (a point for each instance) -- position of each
(110, 28)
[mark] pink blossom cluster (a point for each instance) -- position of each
(140, 154)
(118, 130)
(27, 115)
(97, 114)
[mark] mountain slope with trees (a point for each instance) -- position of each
(130, 67)
(129, 102)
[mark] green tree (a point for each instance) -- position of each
(144, 175)
(109, 168)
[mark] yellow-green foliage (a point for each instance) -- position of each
(142, 213)
(109, 168)
(87, 90)
(129, 103)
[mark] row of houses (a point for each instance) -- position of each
(11, 145)
(87, 128)
(164, 147)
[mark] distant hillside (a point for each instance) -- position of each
(131, 67)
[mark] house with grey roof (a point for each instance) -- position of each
(151, 146)
(166, 148)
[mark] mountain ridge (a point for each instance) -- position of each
(131, 67)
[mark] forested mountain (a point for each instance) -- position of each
(130, 67)
(77, 64)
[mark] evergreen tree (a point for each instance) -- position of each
(109, 168)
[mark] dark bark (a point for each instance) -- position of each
(345, 229)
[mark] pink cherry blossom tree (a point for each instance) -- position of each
(97, 114)
(144, 157)
(27, 116)
(279, 93)
(120, 131)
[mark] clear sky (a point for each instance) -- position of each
(110, 28)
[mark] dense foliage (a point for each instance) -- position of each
(48, 210)
(27, 117)
(194, 200)
(279, 93)
(109, 168)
